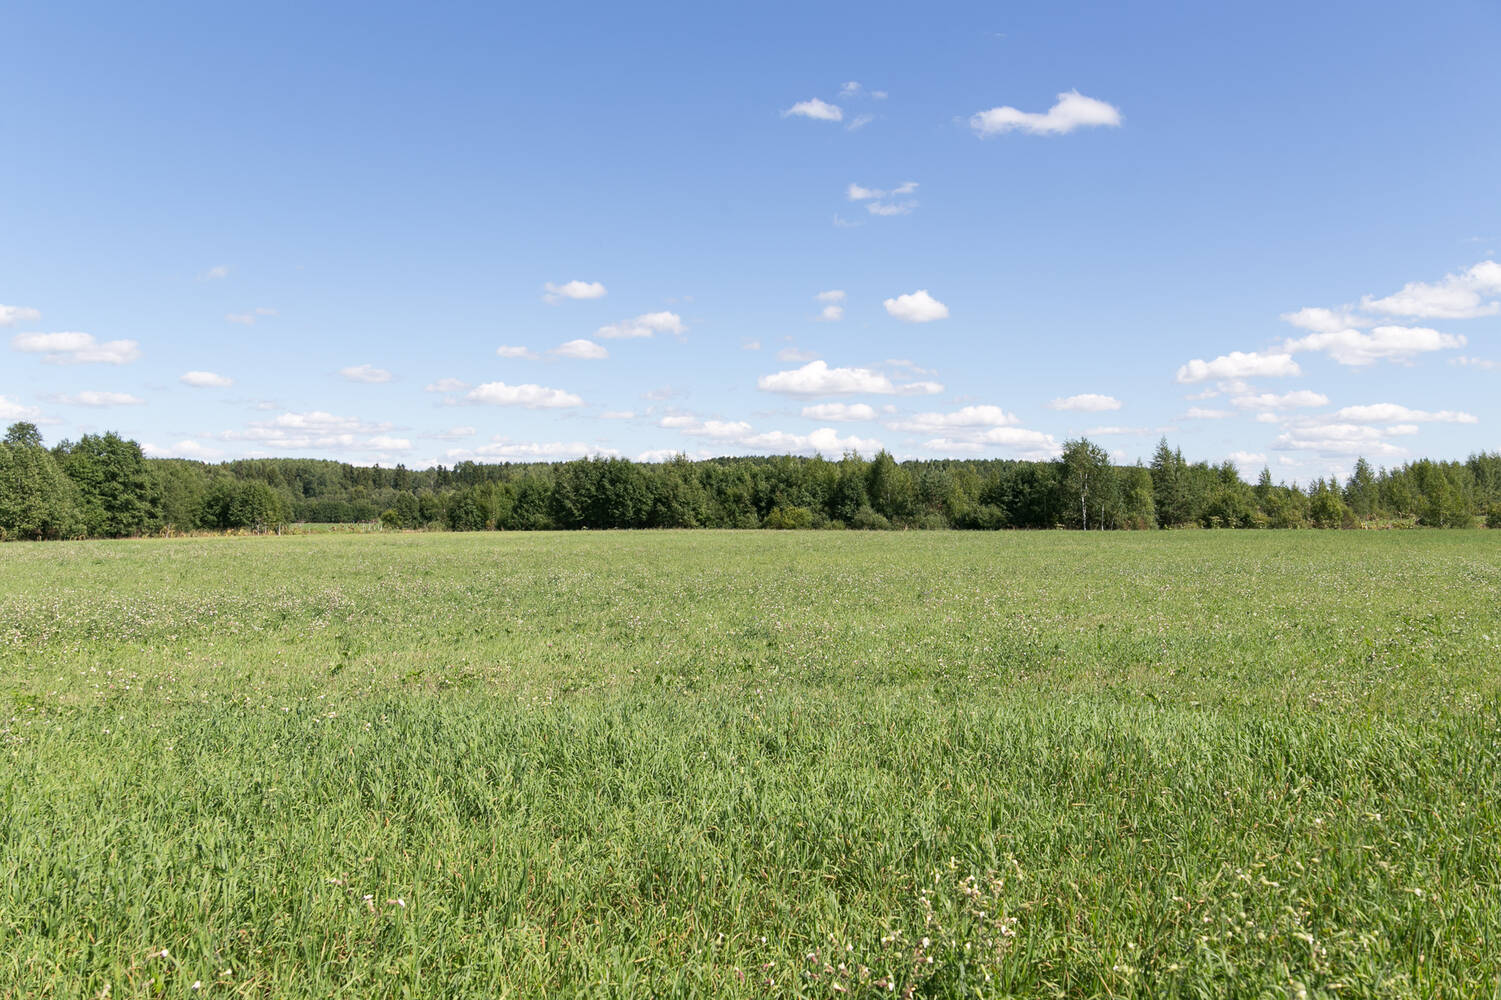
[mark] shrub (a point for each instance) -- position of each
(866, 519)
(790, 518)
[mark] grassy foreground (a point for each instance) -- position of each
(812, 764)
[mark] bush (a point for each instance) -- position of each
(790, 518)
(1493, 516)
(867, 519)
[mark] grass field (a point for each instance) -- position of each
(748, 764)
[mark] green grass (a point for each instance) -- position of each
(748, 764)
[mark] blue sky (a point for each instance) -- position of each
(424, 234)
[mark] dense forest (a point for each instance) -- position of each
(103, 486)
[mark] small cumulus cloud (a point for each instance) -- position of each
(1087, 402)
(1456, 296)
(513, 351)
(76, 348)
(183, 449)
(10, 409)
(1384, 343)
(1299, 398)
(841, 412)
(1392, 413)
(504, 449)
(816, 378)
(573, 290)
(368, 374)
(644, 325)
(90, 397)
(11, 315)
(1072, 111)
(815, 109)
(965, 418)
(1237, 365)
(582, 350)
(205, 380)
(917, 307)
(532, 397)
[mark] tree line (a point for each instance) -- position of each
(103, 486)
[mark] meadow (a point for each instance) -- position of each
(1168, 764)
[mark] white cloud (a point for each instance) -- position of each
(719, 430)
(1387, 413)
(1321, 320)
(839, 411)
(750, 345)
(740, 433)
(90, 397)
(583, 350)
(886, 208)
(618, 414)
(368, 374)
(447, 385)
(217, 273)
(644, 326)
(1087, 402)
(1484, 364)
(824, 441)
(182, 449)
(794, 354)
(851, 89)
(1287, 401)
(573, 290)
(11, 315)
(814, 108)
(1388, 343)
(1030, 444)
(507, 450)
(859, 121)
(512, 351)
(533, 397)
(1072, 111)
(1201, 413)
(657, 455)
(453, 433)
(76, 348)
(918, 307)
(205, 380)
(314, 430)
(967, 417)
(857, 193)
(1340, 439)
(1239, 364)
(384, 443)
(832, 311)
(1112, 429)
(1457, 296)
(1247, 459)
(249, 318)
(816, 378)
(320, 421)
(12, 410)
